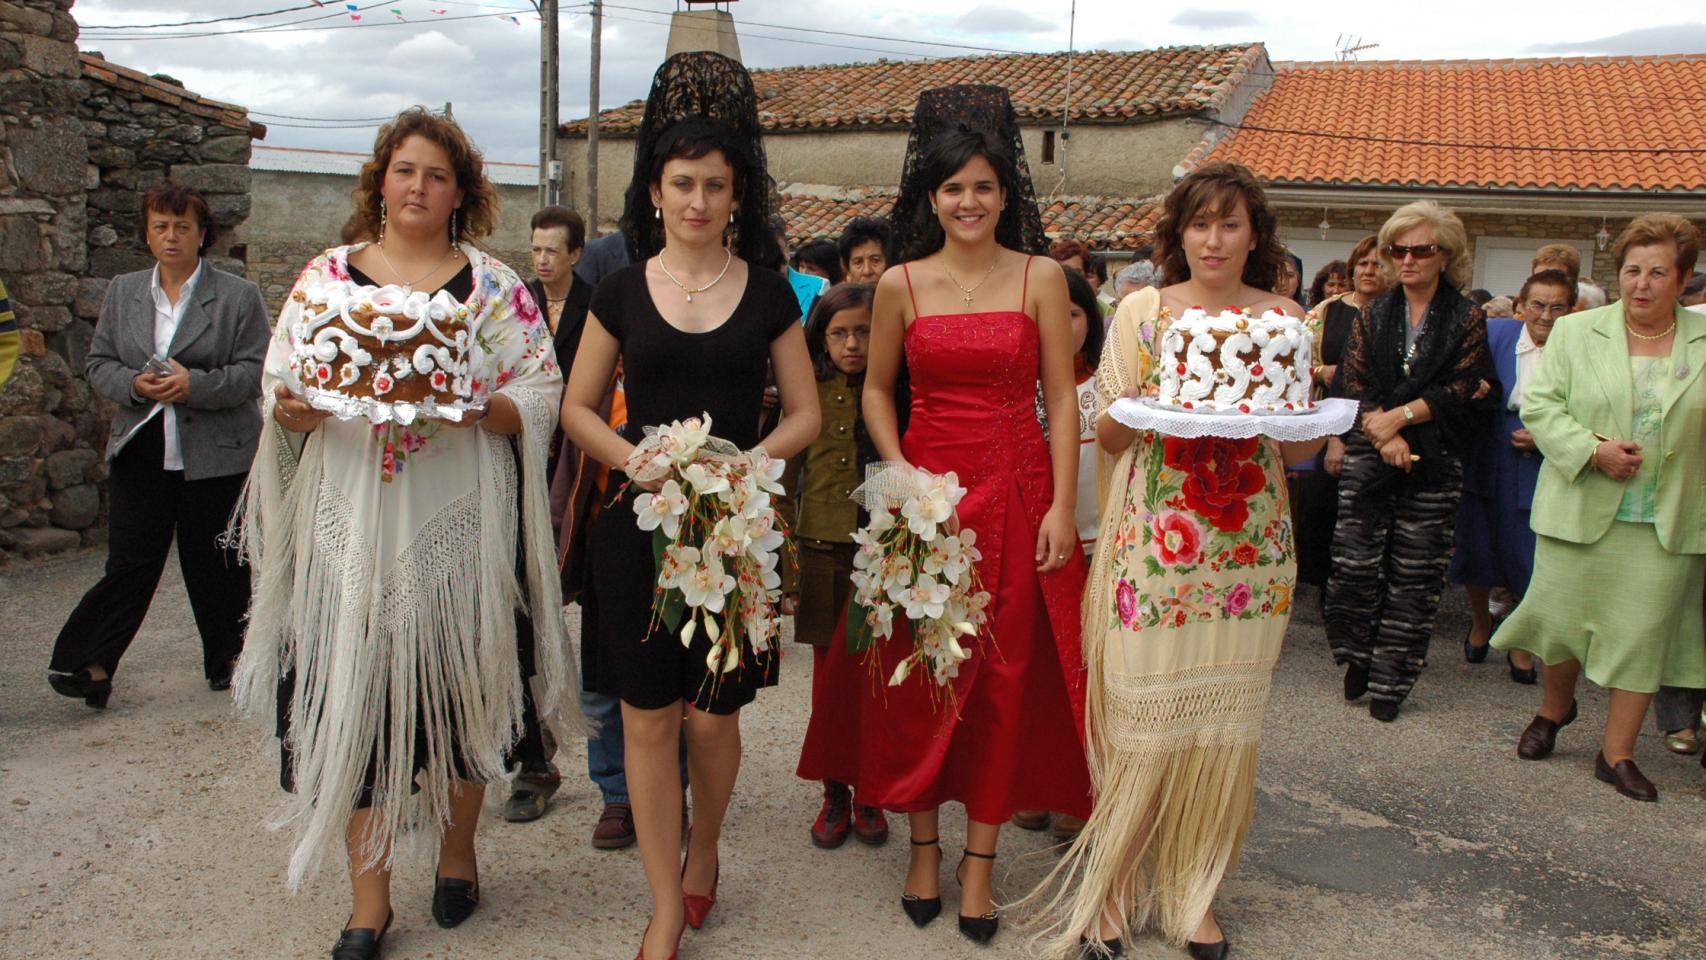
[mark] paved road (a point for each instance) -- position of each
(138, 832)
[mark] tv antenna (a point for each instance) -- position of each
(1347, 47)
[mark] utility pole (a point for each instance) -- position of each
(550, 174)
(592, 123)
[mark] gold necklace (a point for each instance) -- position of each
(409, 287)
(728, 258)
(968, 291)
(1650, 337)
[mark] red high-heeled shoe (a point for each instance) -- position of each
(673, 954)
(697, 907)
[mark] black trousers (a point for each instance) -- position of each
(1389, 567)
(150, 506)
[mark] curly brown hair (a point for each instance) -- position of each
(478, 215)
(1216, 188)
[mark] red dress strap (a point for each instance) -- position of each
(909, 294)
(1025, 288)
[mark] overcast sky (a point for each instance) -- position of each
(489, 67)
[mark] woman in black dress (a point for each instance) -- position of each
(694, 321)
(1315, 492)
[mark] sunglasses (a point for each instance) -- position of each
(1420, 251)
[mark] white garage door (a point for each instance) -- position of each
(1316, 252)
(1503, 263)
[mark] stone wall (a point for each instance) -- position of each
(80, 140)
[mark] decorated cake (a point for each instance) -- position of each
(384, 353)
(1232, 362)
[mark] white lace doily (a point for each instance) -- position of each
(1328, 418)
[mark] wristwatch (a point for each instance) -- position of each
(1408, 413)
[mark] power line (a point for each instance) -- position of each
(290, 26)
(771, 36)
(326, 126)
(195, 23)
(1453, 144)
(286, 116)
(833, 33)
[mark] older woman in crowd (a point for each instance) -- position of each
(1315, 494)
(1618, 408)
(1330, 281)
(1495, 547)
(178, 349)
(1416, 360)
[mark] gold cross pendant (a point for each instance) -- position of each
(968, 301)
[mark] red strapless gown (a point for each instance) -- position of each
(1015, 742)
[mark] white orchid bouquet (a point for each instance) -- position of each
(914, 558)
(715, 538)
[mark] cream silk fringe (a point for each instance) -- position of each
(1172, 754)
(425, 650)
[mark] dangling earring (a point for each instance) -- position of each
(382, 219)
(453, 233)
(657, 213)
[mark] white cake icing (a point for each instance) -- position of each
(343, 324)
(1232, 362)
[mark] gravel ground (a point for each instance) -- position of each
(139, 832)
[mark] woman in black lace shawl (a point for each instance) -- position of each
(1417, 361)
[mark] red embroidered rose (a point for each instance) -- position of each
(1219, 477)
(1246, 554)
(1178, 539)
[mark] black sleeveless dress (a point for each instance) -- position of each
(670, 375)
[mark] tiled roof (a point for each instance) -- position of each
(1606, 123)
(1104, 223)
(171, 94)
(1107, 87)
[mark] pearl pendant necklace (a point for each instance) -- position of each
(728, 258)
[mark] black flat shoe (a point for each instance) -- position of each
(80, 685)
(1385, 711)
(921, 910)
(1471, 652)
(1208, 951)
(453, 901)
(1527, 677)
(1089, 949)
(981, 929)
(1356, 681)
(361, 943)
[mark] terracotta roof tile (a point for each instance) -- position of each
(1604, 123)
(1104, 223)
(1107, 87)
(135, 81)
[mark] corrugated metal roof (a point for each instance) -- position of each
(348, 163)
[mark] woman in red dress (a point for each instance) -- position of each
(980, 323)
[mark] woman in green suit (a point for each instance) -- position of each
(1618, 408)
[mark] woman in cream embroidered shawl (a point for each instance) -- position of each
(1188, 600)
(394, 564)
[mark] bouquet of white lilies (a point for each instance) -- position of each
(715, 537)
(914, 558)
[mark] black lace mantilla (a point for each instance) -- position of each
(940, 110)
(709, 85)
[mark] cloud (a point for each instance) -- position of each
(1649, 41)
(428, 51)
(989, 19)
(1215, 19)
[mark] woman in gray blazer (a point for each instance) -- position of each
(179, 349)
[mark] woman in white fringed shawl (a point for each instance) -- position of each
(395, 563)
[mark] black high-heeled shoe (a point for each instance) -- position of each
(1208, 951)
(361, 943)
(981, 929)
(922, 910)
(1529, 677)
(453, 900)
(80, 685)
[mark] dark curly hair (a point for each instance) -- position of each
(478, 215)
(1216, 188)
(945, 156)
